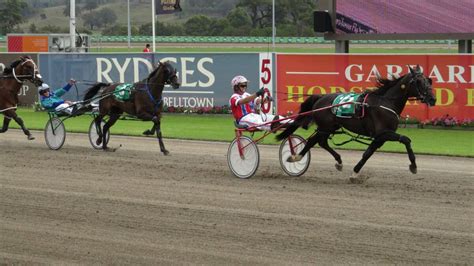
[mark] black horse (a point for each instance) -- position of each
(11, 80)
(383, 107)
(146, 102)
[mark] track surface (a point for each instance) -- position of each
(79, 205)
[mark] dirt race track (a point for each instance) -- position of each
(136, 206)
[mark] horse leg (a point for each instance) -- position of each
(159, 136)
(323, 142)
(6, 122)
(97, 121)
(20, 122)
(411, 155)
(393, 136)
(309, 144)
(113, 118)
(150, 131)
(374, 145)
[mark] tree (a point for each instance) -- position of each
(197, 25)
(237, 17)
(11, 15)
(107, 16)
(91, 4)
(299, 15)
(92, 20)
(33, 28)
(260, 11)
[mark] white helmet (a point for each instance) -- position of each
(237, 80)
(43, 87)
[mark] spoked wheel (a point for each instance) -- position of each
(246, 165)
(294, 168)
(55, 133)
(93, 134)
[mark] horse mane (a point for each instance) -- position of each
(9, 70)
(154, 71)
(383, 85)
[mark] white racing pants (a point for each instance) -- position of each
(257, 120)
(65, 108)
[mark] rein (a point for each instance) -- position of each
(9, 108)
(156, 103)
(15, 77)
(391, 110)
(357, 138)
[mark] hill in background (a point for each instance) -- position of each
(51, 13)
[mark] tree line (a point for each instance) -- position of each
(202, 18)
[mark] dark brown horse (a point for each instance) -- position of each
(146, 102)
(11, 81)
(383, 107)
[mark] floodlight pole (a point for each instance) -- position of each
(128, 23)
(273, 25)
(72, 24)
(153, 23)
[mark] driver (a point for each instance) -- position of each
(243, 105)
(53, 101)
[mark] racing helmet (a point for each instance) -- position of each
(43, 87)
(237, 80)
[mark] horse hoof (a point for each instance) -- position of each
(148, 132)
(356, 178)
(294, 158)
(413, 169)
(30, 137)
(98, 142)
(338, 166)
(165, 152)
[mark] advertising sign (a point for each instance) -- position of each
(28, 93)
(404, 16)
(27, 43)
(205, 78)
(302, 75)
(167, 6)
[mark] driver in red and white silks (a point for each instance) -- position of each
(244, 105)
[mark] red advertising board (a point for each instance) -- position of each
(27, 43)
(299, 75)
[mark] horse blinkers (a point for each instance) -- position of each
(172, 78)
(422, 85)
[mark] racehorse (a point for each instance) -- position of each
(146, 102)
(11, 81)
(383, 107)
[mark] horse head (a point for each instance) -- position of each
(164, 74)
(26, 69)
(170, 75)
(420, 86)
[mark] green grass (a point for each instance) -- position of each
(220, 128)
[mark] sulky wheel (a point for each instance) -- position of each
(294, 168)
(93, 134)
(55, 133)
(246, 165)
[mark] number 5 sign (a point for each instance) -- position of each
(266, 79)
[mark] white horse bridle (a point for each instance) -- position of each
(35, 69)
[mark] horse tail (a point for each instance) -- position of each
(92, 91)
(300, 120)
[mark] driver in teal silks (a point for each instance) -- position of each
(52, 101)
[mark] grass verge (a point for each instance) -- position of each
(221, 128)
